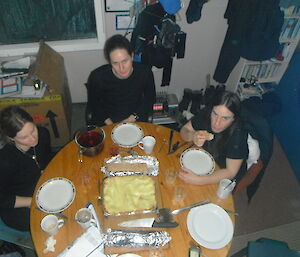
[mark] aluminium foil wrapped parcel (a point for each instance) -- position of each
(152, 165)
(136, 238)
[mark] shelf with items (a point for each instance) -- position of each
(291, 25)
(246, 90)
(292, 10)
(270, 71)
(290, 29)
(262, 72)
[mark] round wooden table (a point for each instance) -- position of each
(86, 176)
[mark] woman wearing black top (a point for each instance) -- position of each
(121, 91)
(229, 144)
(24, 153)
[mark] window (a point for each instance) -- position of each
(69, 25)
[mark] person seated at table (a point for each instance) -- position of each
(24, 153)
(229, 143)
(121, 91)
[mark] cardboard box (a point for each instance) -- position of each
(52, 111)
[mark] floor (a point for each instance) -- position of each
(275, 209)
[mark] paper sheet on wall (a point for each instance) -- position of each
(118, 5)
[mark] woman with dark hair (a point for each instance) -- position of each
(121, 91)
(219, 130)
(24, 153)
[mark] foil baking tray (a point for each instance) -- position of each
(152, 165)
(136, 238)
(136, 212)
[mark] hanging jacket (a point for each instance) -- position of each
(150, 46)
(253, 32)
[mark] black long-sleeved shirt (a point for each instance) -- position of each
(19, 173)
(111, 97)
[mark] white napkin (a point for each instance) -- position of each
(146, 222)
(90, 244)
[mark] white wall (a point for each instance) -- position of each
(204, 40)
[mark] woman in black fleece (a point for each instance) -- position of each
(24, 153)
(121, 91)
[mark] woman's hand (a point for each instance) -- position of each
(188, 134)
(232, 168)
(108, 121)
(23, 201)
(200, 137)
(130, 118)
(189, 177)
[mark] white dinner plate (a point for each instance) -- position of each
(198, 161)
(210, 226)
(127, 134)
(55, 195)
(129, 255)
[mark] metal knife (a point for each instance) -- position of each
(147, 223)
(170, 140)
(176, 146)
(189, 207)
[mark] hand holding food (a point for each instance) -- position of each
(201, 136)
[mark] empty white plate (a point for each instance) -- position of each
(127, 134)
(198, 161)
(210, 226)
(55, 195)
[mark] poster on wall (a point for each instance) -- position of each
(124, 22)
(118, 5)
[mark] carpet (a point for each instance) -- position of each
(276, 202)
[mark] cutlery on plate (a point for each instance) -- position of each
(166, 215)
(189, 207)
